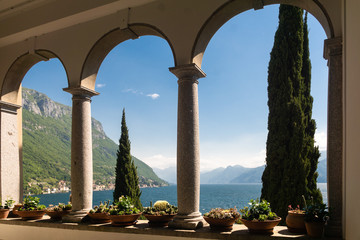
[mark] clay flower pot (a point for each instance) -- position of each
(99, 217)
(159, 220)
(295, 222)
(57, 215)
(261, 227)
(315, 229)
(222, 225)
(31, 215)
(15, 210)
(124, 220)
(4, 213)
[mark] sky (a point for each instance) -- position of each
(233, 107)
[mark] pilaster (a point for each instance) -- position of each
(333, 53)
(10, 163)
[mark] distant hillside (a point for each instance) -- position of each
(239, 174)
(46, 145)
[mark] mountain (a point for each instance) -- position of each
(239, 174)
(168, 174)
(47, 144)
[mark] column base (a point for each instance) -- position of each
(333, 229)
(79, 216)
(190, 221)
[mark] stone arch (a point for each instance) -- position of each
(235, 7)
(17, 71)
(106, 43)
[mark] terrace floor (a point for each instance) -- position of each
(16, 229)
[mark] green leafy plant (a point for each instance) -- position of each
(124, 206)
(60, 207)
(31, 203)
(316, 212)
(160, 208)
(220, 213)
(259, 211)
(102, 208)
(8, 204)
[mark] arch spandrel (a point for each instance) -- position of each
(233, 8)
(15, 74)
(110, 40)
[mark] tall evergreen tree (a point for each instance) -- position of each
(285, 176)
(126, 181)
(311, 153)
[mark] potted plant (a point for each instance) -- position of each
(4, 210)
(124, 213)
(100, 214)
(160, 214)
(259, 218)
(315, 217)
(295, 220)
(221, 219)
(31, 209)
(57, 212)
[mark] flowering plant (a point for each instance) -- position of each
(316, 212)
(220, 213)
(296, 210)
(161, 208)
(259, 211)
(124, 206)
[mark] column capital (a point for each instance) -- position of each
(332, 47)
(9, 107)
(81, 92)
(187, 71)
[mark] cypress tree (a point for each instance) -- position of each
(126, 181)
(310, 151)
(285, 175)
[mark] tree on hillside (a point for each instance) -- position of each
(126, 181)
(285, 175)
(310, 151)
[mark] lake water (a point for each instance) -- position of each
(211, 195)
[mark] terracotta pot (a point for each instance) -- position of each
(295, 222)
(99, 217)
(124, 220)
(222, 225)
(15, 210)
(261, 227)
(159, 220)
(315, 229)
(57, 215)
(31, 215)
(4, 213)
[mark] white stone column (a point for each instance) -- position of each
(81, 154)
(10, 162)
(188, 148)
(333, 53)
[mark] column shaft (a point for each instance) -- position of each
(81, 154)
(333, 52)
(188, 148)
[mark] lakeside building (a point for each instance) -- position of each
(81, 33)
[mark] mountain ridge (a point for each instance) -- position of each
(47, 144)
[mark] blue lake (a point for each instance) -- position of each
(211, 195)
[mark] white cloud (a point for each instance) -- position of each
(153, 96)
(321, 140)
(160, 161)
(133, 91)
(100, 85)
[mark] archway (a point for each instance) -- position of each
(333, 53)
